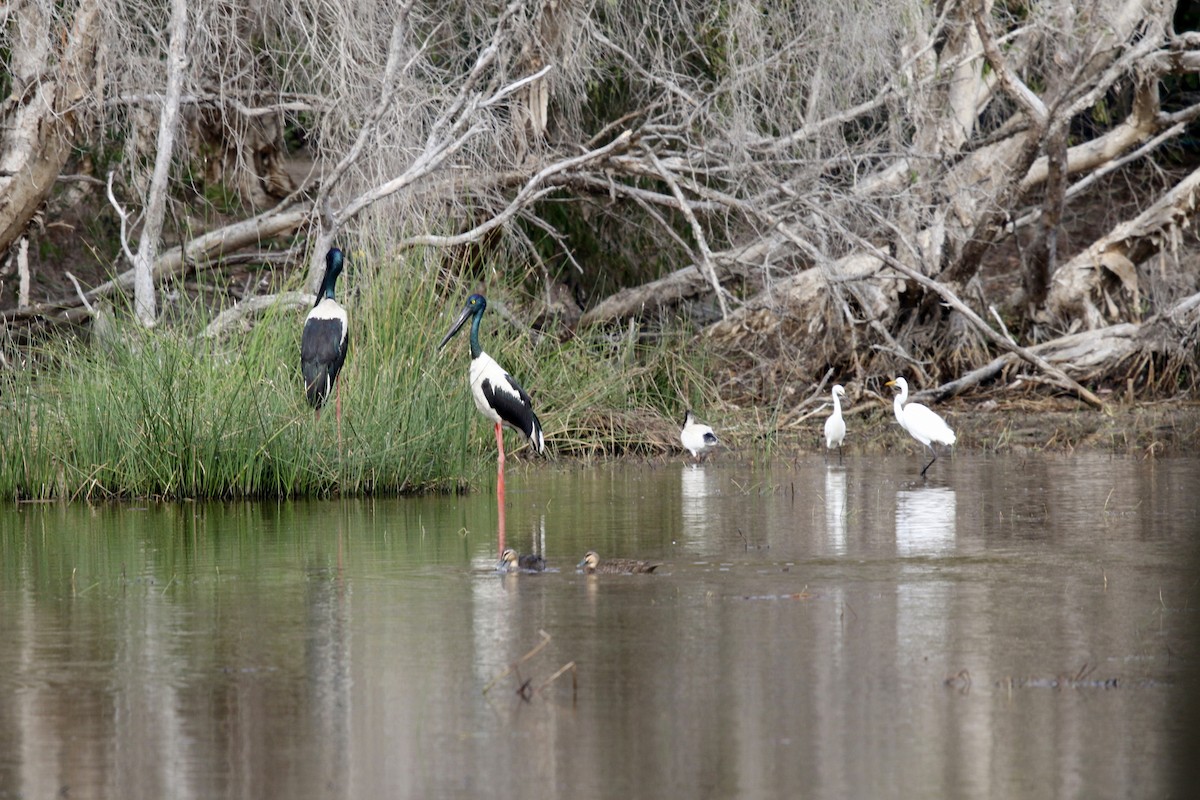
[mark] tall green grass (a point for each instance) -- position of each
(167, 414)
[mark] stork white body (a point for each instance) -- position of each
(697, 439)
(501, 399)
(835, 426)
(497, 394)
(922, 423)
(324, 344)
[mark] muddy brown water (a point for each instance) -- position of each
(1008, 628)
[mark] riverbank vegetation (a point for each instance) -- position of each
(728, 206)
(183, 411)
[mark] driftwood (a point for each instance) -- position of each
(686, 283)
(237, 315)
(1079, 289)
(1092, 353)
(202, 251)
(41, 117)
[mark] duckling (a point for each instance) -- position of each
(696, 438)
(530, 562)
(592, 564)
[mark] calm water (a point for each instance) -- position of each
(796, 643)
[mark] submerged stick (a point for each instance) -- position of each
(516, 664)
(570, 665)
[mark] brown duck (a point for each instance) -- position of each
(510, 560)
(592, 564)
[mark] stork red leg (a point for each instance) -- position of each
(500, 488)
(338, 413)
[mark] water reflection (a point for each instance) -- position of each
(835, 509)
(339, 650)
(925, 520)
(696, 486)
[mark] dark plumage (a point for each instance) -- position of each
(592, 564)
(529, 562)
(326, 337)
(497, 394)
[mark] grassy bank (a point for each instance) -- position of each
(169, 414)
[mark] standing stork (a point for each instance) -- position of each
(325, 341)
(497, 394)
(498, 397)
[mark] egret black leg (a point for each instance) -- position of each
(839, 454)
(933, 450)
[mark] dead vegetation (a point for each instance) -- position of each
(960, 192)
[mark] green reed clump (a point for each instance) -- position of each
(168, 413)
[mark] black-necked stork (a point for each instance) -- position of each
(696, 438)
(497, 394)
(835, 426)
(922, 423)
(325, 341)
(592, 565)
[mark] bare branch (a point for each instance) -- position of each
(705, 261)
(530, 192)
(1015, 87)
(238, 313)
(145, 302)
(124, 215)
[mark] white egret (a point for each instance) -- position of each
(835, 426)
(921, 423)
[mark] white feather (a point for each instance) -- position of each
(483, 369)
(835, 426)
(696, 437)
(922, 423)
(330, 309)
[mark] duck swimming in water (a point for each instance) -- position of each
(511, 560)
(592, 565)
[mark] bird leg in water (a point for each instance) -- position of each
(933, 450)
(500, 537)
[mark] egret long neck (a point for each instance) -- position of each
(837, 404)
(898, 407)
(475, 348)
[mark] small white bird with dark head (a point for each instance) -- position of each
(697, 439)
(835, 426)
(922, 424)
(325, 340)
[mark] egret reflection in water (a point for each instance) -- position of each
(835, 509)
(925, 519)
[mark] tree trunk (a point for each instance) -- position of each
(144, 300)
(39, 121)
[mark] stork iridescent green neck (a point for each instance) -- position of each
(476, 349)
(333, 268)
